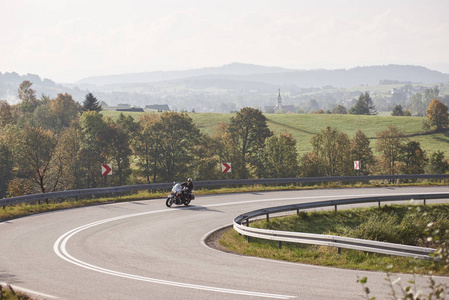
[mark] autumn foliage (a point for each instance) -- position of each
(437, 114)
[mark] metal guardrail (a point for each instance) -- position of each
(330, 240)
(209, 183)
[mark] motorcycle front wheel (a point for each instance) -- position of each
(169, 202)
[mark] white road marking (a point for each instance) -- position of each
(60, 247)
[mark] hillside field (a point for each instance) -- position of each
(304, 126)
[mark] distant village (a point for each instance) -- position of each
(278, 108)
(128, 107)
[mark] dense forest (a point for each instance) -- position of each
(49, 144)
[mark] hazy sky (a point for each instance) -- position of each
(67, 40)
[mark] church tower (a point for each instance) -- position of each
(278, 107)
(279, 100)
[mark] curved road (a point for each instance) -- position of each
(144, 250)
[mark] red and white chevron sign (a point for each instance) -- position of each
(357, 165)
(106, 169)
(226, 167)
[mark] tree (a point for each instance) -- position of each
(430, 94)
(178, 136)
(413, 159)
(364, 106)
(118, 150)
(225, 148)
(397, 110)
(147, 146)
(361, 151)
(38, 159)
(371, 108)
(6, 167)
(313, 106)
(206, 162)
(281, 158)
(91, 103)
(93, 148)
(73, 160)
(421, 101)
(128, 125)
(438, 164)
(418, 106)
(333, 147)
(437, 114)
(340, 109)
(248, 130)
(312, 165)
(390, 143)
(5, 113)
(64, 109)
(28, 97)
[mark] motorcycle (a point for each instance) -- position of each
(179, 196)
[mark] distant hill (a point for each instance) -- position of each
(237, 74)
(158, 76)
(10, 82)
(231, 87)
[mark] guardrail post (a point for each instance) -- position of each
(297, 211)
(379, 203)
(335, 207)
(268, 217)
(424, 201)
(280, 245)
(247, 225)
(339, 251)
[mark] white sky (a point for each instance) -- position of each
(67, 40)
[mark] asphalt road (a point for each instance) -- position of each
(144, 250)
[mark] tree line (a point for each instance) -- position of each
(58, 144)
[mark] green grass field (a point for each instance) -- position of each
(304, 126)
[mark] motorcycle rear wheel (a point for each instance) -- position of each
(169, 202)
(187, 201)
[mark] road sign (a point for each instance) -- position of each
(226, 167)
(106, 169)
(356, 164)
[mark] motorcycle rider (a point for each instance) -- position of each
(188, 187)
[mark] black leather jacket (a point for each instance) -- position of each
(188, 185)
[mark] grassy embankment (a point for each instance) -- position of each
(397, 224)
(7, 293)
(304, 126)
